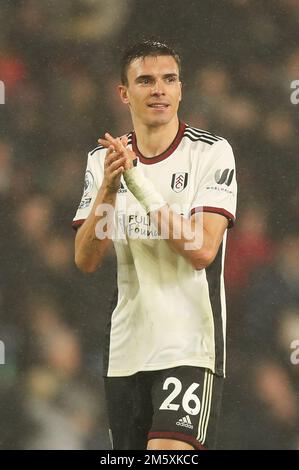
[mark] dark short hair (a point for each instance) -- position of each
(144, 49)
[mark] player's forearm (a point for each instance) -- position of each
(186, 236)
(93, 238)
(192, 242)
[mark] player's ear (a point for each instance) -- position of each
(123, 93)
(181, 87)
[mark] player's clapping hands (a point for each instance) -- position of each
(117, 160)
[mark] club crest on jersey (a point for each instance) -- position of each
(88, 182)
(179, 181)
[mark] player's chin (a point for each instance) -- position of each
(159, 120)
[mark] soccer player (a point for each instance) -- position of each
(166, 194)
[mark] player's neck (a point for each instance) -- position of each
(153, 141)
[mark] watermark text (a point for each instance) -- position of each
(295, 94)
(133, 222)
(294, 358)
(2, 92)
(2, 353)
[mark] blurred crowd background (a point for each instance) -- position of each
(59, 63)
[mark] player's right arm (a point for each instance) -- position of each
(89, 249)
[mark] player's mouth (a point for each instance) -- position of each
(158, 105)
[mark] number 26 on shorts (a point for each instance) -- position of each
(189, 397)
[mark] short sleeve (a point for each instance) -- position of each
(90, 192)
(216, 188)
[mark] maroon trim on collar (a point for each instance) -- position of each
(163, 155)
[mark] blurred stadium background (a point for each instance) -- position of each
(59, 64)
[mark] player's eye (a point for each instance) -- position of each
(171, 79)
(144, 80)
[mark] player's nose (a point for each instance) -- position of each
(158, 88)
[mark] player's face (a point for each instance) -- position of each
(154, 90)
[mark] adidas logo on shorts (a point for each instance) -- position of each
(186, 422)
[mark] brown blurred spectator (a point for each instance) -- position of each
(249, 247)
(209, 92)
(239, 114)
(6, 166)
(64, 409)
(35, 218)
(280, 130)
(12, 72)
(91, 21)
(271, 324)
(214, 82)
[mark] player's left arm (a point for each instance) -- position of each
(197, 239)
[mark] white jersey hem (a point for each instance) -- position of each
(169, 365)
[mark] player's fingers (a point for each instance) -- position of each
(116, 142)
(131, 154)
(116, 173)
(108, 140)
(109, 154)
(116, 164)
(110, 150)
(113, 157)
(104, 142)
(124, 140)
(111, 139)
(121, 145)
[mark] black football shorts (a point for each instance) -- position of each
(182, 403)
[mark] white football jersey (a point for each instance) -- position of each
(168, 314)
